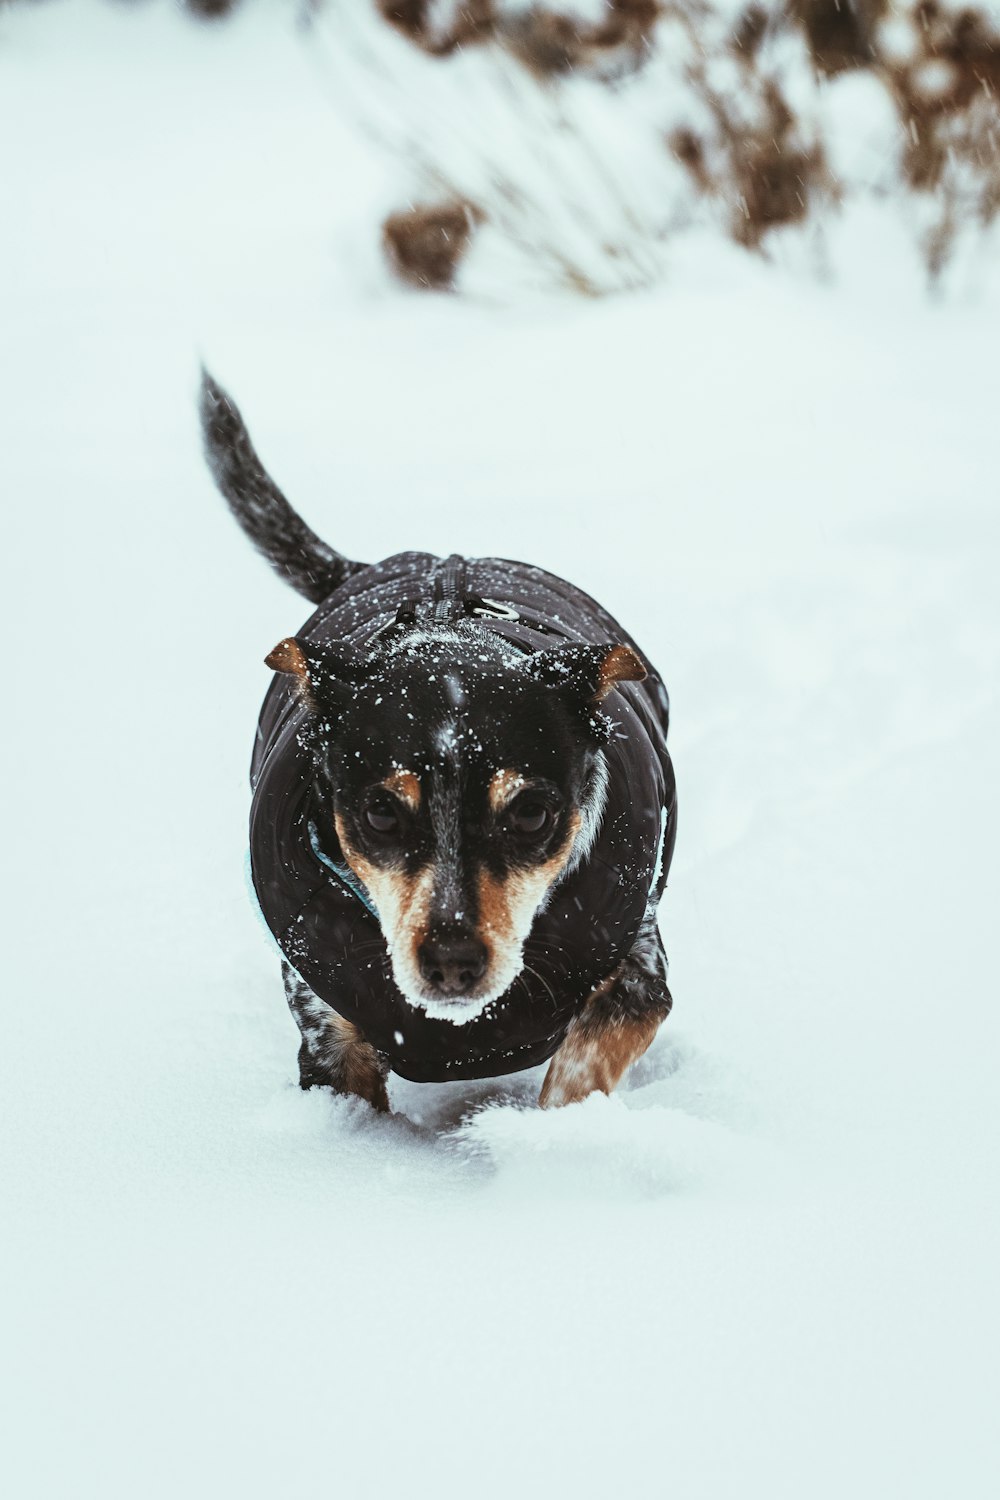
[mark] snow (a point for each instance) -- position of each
(767, 1267)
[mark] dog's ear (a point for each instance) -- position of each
(289, 655)
(587, 673)
(321, 672)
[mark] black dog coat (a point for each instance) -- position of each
(319, 915)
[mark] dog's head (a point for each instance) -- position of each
(462, 781)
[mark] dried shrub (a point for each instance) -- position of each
(409, 16)
(688, 148)
(956, 63)
(550, 43)
(749, 33)
(840, 33)
(776, 181)
(546, 43)
(756, 160)
(733, 99)
(425, 243)
(470, 22)
(546, 40)
(211, 10)
(946, 92)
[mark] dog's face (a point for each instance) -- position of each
(461, 781)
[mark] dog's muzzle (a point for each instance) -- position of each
(452, 965)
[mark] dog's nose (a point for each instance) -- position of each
(453, 964)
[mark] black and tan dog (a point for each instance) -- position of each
(463, 812)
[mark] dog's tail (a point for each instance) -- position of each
(294, 552)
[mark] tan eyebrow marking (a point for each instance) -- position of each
(504, 787)
(406, 786)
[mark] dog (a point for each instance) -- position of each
(463, 812)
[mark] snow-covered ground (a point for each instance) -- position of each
(768, 1267)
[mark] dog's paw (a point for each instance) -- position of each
(595, 1057)
(574, 1074)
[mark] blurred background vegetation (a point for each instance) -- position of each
(588, 133)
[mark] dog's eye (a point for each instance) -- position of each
(530, 817)
(381, 816)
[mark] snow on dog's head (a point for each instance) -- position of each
(459, 781)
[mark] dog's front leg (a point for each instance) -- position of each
(334, 1054)
(616, 1025)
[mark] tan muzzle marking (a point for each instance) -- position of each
(403, 903)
